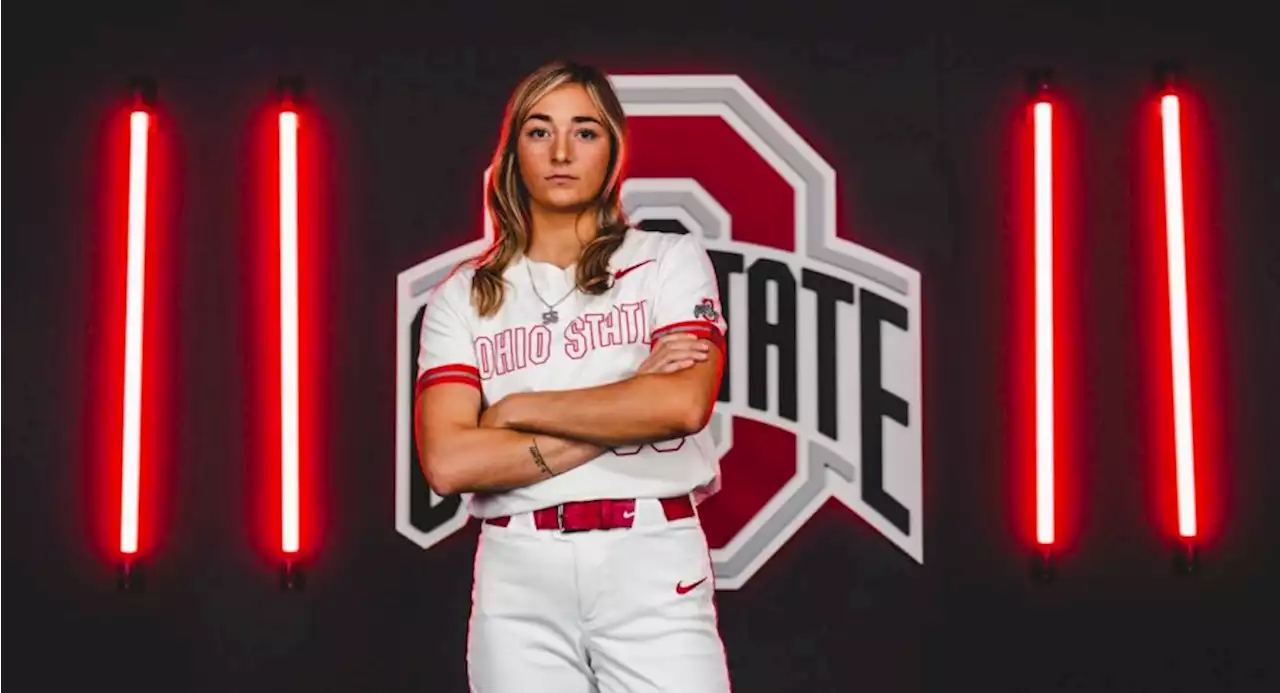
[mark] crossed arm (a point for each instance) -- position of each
(528, 437)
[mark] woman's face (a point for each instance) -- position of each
(563, 150)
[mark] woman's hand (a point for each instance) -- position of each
(675, 352)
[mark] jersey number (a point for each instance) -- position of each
(658, 446)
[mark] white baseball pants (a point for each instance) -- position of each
(603, 611)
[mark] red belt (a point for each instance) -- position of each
(581, 516)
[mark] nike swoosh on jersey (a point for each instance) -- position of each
(627, 270)
(682, 588)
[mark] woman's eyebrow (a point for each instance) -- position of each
(576, 119)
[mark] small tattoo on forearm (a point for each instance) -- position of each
(537, 458)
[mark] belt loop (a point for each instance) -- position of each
(560, 517)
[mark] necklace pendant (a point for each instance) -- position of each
(550, 317)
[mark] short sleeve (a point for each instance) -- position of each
(688, 295)
(446, 351)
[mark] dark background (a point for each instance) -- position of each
(917, 106)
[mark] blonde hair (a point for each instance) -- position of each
(509, 199)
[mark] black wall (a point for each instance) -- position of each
(915, 106)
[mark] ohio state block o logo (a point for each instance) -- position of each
(821, 398)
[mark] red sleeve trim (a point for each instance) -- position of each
(702, 328)
(448, 373)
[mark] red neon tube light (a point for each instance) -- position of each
(1179, 332)
(1044, 332)
(289, 462)
(135, 290)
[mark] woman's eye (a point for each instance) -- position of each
(537, 133)
(588, 134)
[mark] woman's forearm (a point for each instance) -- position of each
(487, 460)
(639, 410)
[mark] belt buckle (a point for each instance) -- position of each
(560, 521)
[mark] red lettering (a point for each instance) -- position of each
(513, 349)
(502, 349)
(593, 328)
(484, 357)
(539, 344)
(575, 342)
(634, 322)
(611, 329)
(667, 445)
(661, 446)
(518, 335)
(517, 348)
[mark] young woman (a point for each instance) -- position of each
(566, 377)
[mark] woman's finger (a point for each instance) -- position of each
(675, 352)
(687, 353)
(674, 366)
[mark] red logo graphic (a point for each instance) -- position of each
(682, 588)
(627, 270)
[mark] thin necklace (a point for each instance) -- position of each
(551, 316)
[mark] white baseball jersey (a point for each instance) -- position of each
(662, 283)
